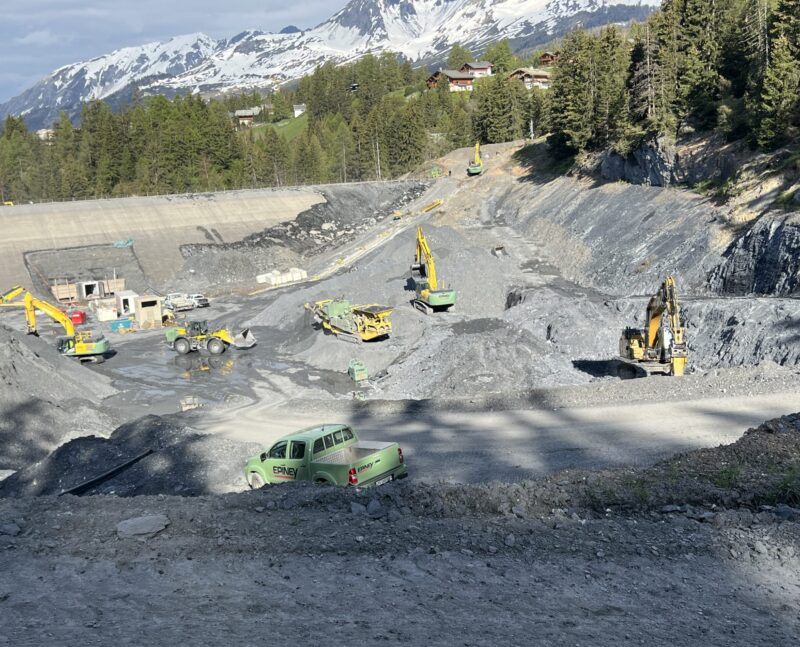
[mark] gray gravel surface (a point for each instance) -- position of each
(409, 564)
(46, 399)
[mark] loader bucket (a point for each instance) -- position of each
(244, 339)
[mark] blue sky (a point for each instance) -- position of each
(38, 36)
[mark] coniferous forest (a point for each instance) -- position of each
(725, 66)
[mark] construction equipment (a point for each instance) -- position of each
(353, 323)
(430, 296)
(196, 335)
(431, 206)
(83, 345)
(357, 370)
(660, 347)
(476, 166)
(12, 294)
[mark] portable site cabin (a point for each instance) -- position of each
(104, 309)
(147, 310)
(126, 302)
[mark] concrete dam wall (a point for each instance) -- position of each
(158, 227)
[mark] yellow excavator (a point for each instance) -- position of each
(83, 346)
(661, 346)
(476, 166)
(430, 296)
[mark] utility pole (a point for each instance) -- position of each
(378, 156)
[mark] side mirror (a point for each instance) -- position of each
(263, 457)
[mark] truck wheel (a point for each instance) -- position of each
(215, 346)
(182, 346)
(255, 481)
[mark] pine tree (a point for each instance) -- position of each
(459, 55)
(610, 97)
(787, 23)
(779, 107)
(501, 57)
(572, 99)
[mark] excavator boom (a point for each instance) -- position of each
(82, 345)
(424, 259)
(430, 295)
(12, 294)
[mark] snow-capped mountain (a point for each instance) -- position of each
(422, 30)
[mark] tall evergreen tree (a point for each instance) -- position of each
(779, 107)
(458, 56)
(572, 100)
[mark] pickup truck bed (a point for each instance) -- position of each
(353, 453)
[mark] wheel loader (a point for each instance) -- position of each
(196, 335)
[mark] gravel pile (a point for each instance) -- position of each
(45, 399)
(181, 462)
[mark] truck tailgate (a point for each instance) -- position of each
(382, 465)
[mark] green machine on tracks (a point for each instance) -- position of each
(431, 297)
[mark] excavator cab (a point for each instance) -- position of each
(65, 345)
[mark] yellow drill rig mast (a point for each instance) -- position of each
(661, 346)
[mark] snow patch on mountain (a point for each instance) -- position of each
(421, 30)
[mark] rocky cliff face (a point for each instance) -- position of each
(766, 260)
(658, 162)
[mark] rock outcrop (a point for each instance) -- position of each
(658, 162)
(766, 260)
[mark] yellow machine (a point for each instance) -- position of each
(476, 166)
(353, 323)
(660, 347)
(430, 296)
(12, 294)
(196, 335)
(83, 345)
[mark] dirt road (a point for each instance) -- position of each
(472, 447)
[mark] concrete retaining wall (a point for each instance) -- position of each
(157, 225)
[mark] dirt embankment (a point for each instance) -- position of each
(660, 556)
(347, 212)
(45, 400)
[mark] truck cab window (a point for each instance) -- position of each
(298, 450)
(328, 441)
(337, 437)
(278, 450)
(347, 433)
(319, 446)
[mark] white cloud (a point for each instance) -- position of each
(41, 38)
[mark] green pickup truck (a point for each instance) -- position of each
(327, 454)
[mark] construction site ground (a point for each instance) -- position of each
(548, 500)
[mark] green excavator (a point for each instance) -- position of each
(430, 296)
(476, 165)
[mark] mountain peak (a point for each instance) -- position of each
(421, 30)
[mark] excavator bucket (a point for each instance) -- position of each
(244, 339)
